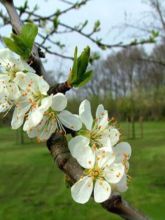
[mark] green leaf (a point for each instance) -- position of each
(73, 73)
(29, 33)
(22, 43)
(78, 76)
(84, 80)
(83, 61)
(11, 45)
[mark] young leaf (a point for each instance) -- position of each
(22, 43)
(84, 80)
(78, 76)
(83, 61)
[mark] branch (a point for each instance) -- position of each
(17, 25)
(46, 49)
(61, 87)
(157, 5)
(58, 148)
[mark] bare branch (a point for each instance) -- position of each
(157, 6)
(61, 87)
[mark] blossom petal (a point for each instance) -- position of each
(70, 120)
(59, 102)
(105, 141)
(114, 172)
(4, 105)
(102, 116)
(22, 106)
(21, 80)
(17, 119)
(80, 150)
(43, 86)
(102, 191)
(122, 151)
(13, 91)
(8, 59)
(104, 157)
(46, 103)
(76, 143)
(34, 118)
(47, 129)
(122, 186)
(114, 135)
(81, 191)
(86, 114)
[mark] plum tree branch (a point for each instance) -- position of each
(58, 148)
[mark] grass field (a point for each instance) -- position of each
(32, 188)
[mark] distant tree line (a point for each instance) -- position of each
(130, 83)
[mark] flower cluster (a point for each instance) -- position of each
(40, 114)
(105, 161)
(96, 146)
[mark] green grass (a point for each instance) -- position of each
(32, 188)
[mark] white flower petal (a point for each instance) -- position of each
(22, 80)
(17, 119)
(13, 91)
(43, 86)
(34, 118)
(81, 191)
(114, 172)
(85, 114)
(4, 105)
(122, 151)
(114, 135)
(59, 102)
(104, 157)
(70, 120)
(99, 111)
(105, 141)
(102, 116)
(76, 143)
(47, 129)
(45, 103)
(81, 151)
(102, 191)
(32, 133)
(122, 186)
(10, 60)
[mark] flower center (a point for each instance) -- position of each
(96, 135)
(95, 173)
(12, 70)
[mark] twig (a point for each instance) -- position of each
(61, 87)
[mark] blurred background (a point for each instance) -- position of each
(127, 40)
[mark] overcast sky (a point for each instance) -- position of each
(111, 13)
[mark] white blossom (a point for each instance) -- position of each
(100, 173)
(98, 131)
(10, 65)
(33, 102)
(55, 118)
